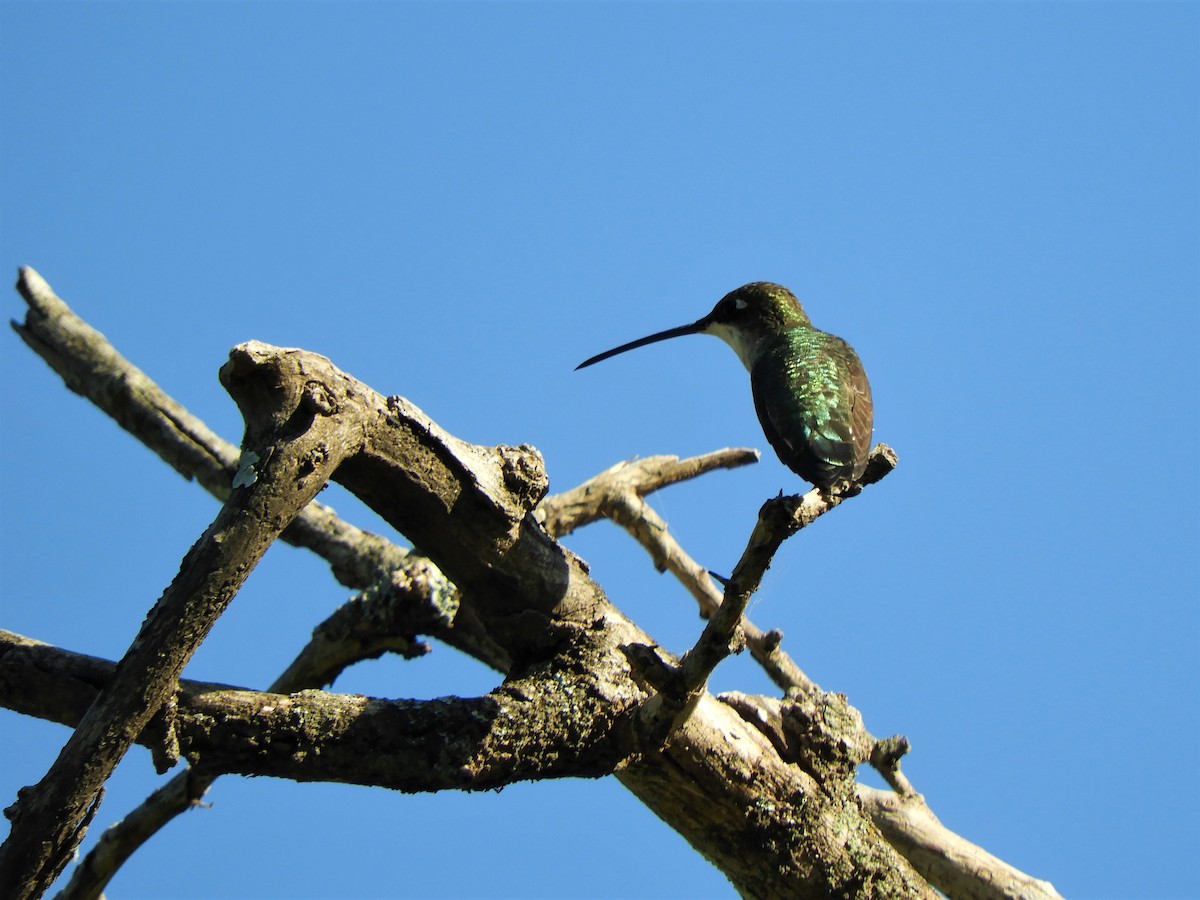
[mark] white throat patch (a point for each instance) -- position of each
(744, 345)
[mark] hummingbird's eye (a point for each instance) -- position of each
(730, 309)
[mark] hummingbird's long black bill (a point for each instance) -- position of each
(694, 328)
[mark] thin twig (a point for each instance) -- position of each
(618, 493)
(562, 513)
(778, 519)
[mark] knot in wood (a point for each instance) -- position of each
(524, 473)
(318, 399)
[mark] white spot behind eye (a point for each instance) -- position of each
(739, 303)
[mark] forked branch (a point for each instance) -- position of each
(533, 603)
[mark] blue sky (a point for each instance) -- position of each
(997, 204)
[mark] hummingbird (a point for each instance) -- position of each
(810, 389)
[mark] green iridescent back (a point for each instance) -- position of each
(813, 400)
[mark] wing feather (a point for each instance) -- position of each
(814, 402)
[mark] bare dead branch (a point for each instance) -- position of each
(778, 520)
(617, 493)
(885, 758)
(377, 620)
(381, 619)
(560, 514)
(121, 839)
(468, 508)
(50, 818)
(91, 367)
(957, 867)
(557, 721)
(720, 775)
(821, 725)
